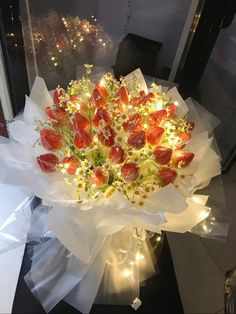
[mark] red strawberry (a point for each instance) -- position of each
(107, 136)
(171, 109)
(117, 154)
(148, 98)
(123, 94)
(72, 163)
(158, 116)
(79, 122)
(162, 154)
(137, 139)
(97, 99)
(56, 96)
(97, 177)
(133, 123)
(142, 99)
(182, 158)
(191, 125)
(130, 171)
(73, 98)
(102, 91)
(51, 140)
(154, 134)
(48, 162)
(57, 116)
(184, 138)
(83, 139)
(167, 175)
(142, 93)
(135, 101)
(101, 114)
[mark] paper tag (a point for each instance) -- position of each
(136, 304)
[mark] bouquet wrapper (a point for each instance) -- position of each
(99, 251)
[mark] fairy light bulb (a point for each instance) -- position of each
(204, 214)
(139, 257)
(102, 82)
(204, 227)
(176, 103)
(127, 272)
(159, 105)
(158, 238)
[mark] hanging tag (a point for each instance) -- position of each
(136, 304)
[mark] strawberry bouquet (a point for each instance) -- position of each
(114, 162)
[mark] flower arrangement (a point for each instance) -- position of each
(132, 162)
(113, 136)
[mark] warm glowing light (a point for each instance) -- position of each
(55, 64)
(158, 238)
(176, 103)
(52, 58)
(204, 214)
(127, 272)
(205, 228)
(159, 105)
(173, 140)
(145, 126)
(139, 257)
(102, 82)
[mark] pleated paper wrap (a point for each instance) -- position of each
(84, 238)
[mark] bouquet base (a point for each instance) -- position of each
(158, 294)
